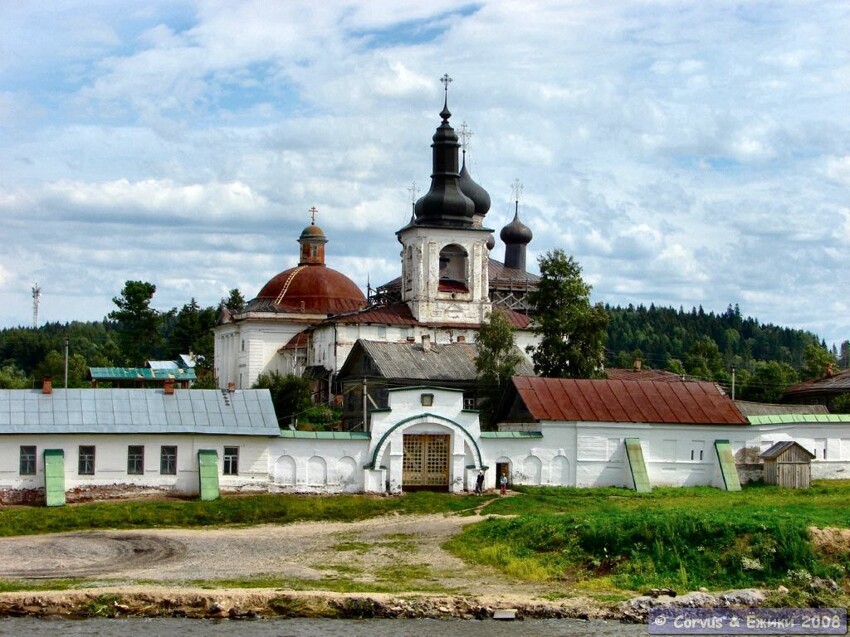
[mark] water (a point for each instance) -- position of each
(20, 627)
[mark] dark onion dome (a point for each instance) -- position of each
(516, 232)
(445, 204)
(309, 289)
(479, 196)
(491, 241)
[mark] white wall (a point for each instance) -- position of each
(110, 476)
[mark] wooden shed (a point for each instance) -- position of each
(788, 464)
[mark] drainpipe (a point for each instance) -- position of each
(365, 408)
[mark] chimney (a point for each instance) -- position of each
(637, 364)
(47, 385)
(168, 387)
(231, 387)
(426, 342)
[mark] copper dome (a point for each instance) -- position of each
(310, 289)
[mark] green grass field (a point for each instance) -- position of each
(671, 538)
(605, 539)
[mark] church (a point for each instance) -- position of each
(306, 320)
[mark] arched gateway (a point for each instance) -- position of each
(435, 450)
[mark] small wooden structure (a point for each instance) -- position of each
(788, 464)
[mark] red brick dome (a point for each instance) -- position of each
(309, 289)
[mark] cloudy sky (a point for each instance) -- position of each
(686, 153)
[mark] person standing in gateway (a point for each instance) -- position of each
(503, 484)
(479, 483)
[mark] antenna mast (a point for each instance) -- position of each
(36, 296)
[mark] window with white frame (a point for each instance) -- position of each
(85, 467)
(28, 455)
(135, 460)
(168, 460)
(231, 461)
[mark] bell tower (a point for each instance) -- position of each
(445, 254)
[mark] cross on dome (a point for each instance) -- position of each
(464, 132)
(313, 210)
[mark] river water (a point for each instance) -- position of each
(20, 627)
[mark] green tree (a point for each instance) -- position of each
(234, 302)
(192, 332)
(571, 330)
(53, 365)
(497, 359)
(768, 381)
(703, 359)
(138, 323)
(817, 362)
(291, 395)
(13, 378)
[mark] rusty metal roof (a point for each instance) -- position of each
(834, 384)
(308, 289)
(687, 402)
(620, 373)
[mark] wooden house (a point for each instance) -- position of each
(788, 464)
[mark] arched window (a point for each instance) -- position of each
(454, 269)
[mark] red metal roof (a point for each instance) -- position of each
(684, 402)
(620, 373)
(311, 289)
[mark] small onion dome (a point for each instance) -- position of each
(313, 289)
(313, 233)
(491, 241)
(479, 196)
(516, 232)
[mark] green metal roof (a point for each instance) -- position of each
(511, 434)
(140, 373)
(326, 435)
(786, 419)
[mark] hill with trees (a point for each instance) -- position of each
(765, 358)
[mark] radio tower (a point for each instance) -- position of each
(36, 295)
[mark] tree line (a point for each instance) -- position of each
(764, 358)
(129, 336)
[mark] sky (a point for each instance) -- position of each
(685, 153)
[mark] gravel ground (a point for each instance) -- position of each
(164, 567)
(360, 551)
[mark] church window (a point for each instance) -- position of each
(427, 400)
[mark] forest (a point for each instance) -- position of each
(763, 358)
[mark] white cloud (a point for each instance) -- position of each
(683, 152)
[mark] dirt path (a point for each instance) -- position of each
(159, 571)
(380, 549)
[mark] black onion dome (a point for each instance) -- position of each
(516, 232)
(479, 196)
(445, 204)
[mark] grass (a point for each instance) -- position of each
(671, 538)
(234, 510)
(604, 541)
